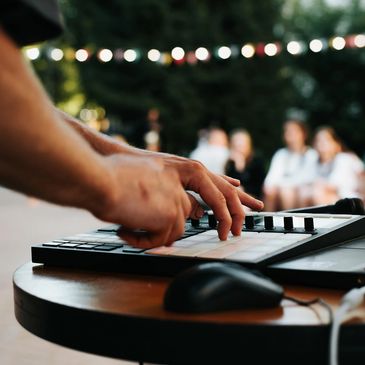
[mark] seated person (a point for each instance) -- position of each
(290, 168)
(213, 153)
(244, 165)
(337, 172)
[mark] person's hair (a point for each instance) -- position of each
(301, 124)
(332, 133)
(248, 134)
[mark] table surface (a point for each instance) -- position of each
(120, 315)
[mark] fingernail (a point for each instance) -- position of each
(261, 203)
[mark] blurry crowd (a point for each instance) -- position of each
(302, 173)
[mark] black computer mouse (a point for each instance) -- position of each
(218, 286)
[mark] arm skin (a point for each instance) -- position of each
(42, 155)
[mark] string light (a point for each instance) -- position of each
(56, 54)
(81, 55)
(338, 43)
(130, 55)
(294, 47)
(32, 53)
(248, 50)
(118, 55)
(316, 45)
(271, 49)
(202, 54)
(106, 55)
(154, 55)
(359, 40)
(224, 52)
(179, 55)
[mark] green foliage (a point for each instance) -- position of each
(255, 94)
(330, 85)
(232, 93)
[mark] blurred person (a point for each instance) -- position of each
(152, 138)
(337, 172)
(213, 153)
(291, 167)
(50, 155)
(243, 164)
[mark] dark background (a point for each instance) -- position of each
(258, 93)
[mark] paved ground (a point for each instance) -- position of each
(24, 221)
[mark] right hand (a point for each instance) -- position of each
(147, 199)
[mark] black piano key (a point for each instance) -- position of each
(288, 223)
(308, 224)
(249, 222)
(212, 221)
(269, 222)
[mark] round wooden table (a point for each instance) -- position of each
(121, 316)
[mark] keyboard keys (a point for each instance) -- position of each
(212, 221)
(85, 247)
(133, 249)
(113, 228)
(249, 222)
(105, 248)
(288, 223)
(269, 222)
(51, 244)
(308, 224)
(69, 245)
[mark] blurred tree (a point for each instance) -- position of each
(330, 85)
(253, 93)
(232, 93)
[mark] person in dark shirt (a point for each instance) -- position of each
(50, 155)
(244, 165)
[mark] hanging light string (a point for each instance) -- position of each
(178, 55)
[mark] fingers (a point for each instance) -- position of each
(196, 211)
(244, 198)
(217, 201)
(250, 201)
(221, 193)
(231, 180)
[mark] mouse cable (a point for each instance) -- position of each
(308, 303)
(350, 301)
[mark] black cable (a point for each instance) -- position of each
(308, 303)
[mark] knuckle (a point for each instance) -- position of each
(171, 215)
(221, 198)
(197, 166)
(231, 192)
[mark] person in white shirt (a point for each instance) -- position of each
(291, 168)
(337, 173)
(214, 152)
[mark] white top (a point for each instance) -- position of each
(214, 158)
(292, 169)
(343, 173)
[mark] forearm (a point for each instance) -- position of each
(39, 154)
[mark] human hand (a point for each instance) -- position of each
(147, 199)
(221, 193)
